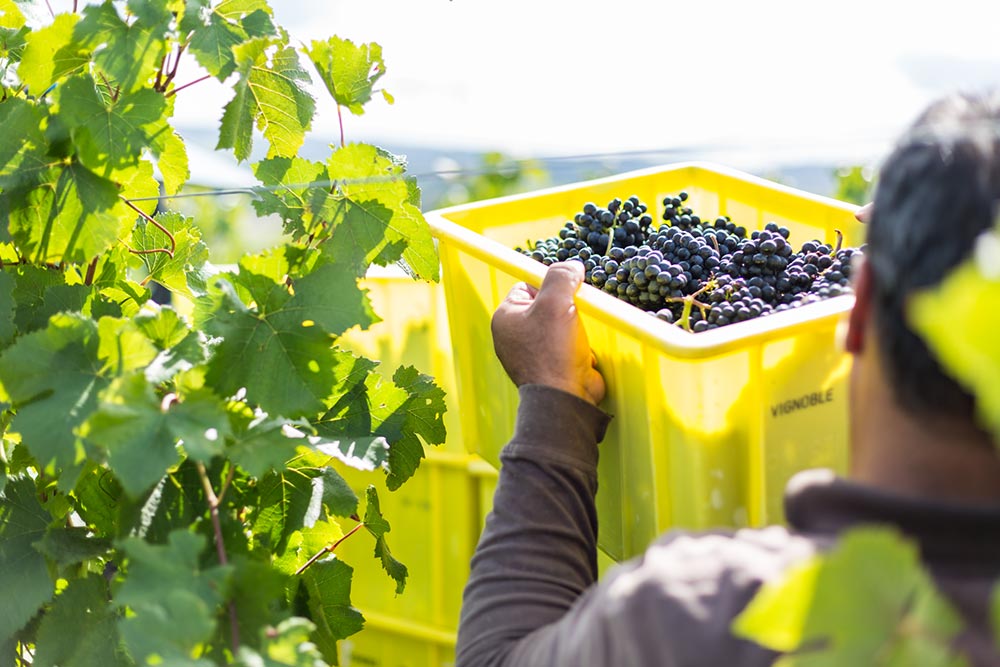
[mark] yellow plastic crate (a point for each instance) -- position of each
(393, 642)
(435, 519)
(708, 427)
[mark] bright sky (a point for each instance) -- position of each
(811, 79)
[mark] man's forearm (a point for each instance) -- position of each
(538, 552)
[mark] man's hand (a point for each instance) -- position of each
(539, 338)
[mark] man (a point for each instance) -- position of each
(919, 461)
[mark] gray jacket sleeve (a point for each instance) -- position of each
(532, 597)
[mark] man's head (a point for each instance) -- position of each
(937, 192)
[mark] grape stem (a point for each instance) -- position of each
(158, 85)
(188, 85)
(220, 547)
(328, 549)
(840, 241)
(91, 268)
(148, 218)
(715, 242)
(112, 92)
(690, 301)
(340, 119)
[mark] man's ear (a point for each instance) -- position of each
(857, 325)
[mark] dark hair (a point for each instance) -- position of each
(937, 192)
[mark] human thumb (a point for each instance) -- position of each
(560, 284)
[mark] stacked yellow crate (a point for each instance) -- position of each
(435, 516)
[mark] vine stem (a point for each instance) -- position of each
(89, 278)
(107, 85)
(177, 62)
(325, 550)
(340, 119)
(148, 218)
(74, 6)
(220, 548)
(188, 85)
(49, 5)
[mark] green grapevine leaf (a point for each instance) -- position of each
(266, 443)
(162, 325)
(964, 341)
(141, 437)
(305, 543)
(151, 12)
(123, 347)
(293, 369)
(98, 497)
(32, 284)
(177, 500)
(129, 54)
(12, 43)
(7, 309)
(53, 377)
(256, 589)
(24, 578)
(81, 629)
(213, 37)
(378, 527)
(194, 350)
(107, 131)
(269, 94)
(236, 9)
(349, 72)
(404, 422)
(201, 424)
(330, 297)
(172, 598)
(328, 583)
(258, 23)
(190, 252)
(56, 298)
(50, 54)
(135, 182)
(868, 597)
(68, 546)
(376, 220)
(71, 219)
(403, 412)
(338, 497)
(291, 373)
(286, 645)
(23, 148)
(298, 498)
(299, 207)
(171, 159)
(10, 15)
(285, 505)
(114, 287)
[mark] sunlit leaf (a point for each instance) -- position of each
(350, 72)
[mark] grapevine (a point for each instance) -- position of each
(169, 474)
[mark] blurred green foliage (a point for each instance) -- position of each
(498, 175)
(854, 184)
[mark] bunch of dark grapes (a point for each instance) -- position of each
(693, 273)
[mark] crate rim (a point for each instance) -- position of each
(626, 317)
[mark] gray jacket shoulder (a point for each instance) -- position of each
(674, 605)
